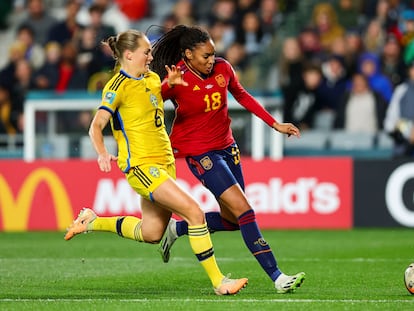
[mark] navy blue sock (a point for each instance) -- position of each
(257, 244)
(214, 223)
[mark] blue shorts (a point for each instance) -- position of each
(218, 170)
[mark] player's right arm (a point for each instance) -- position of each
(99, 122)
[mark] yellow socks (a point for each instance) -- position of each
(203, 248)
(125, 226)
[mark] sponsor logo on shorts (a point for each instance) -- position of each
(206, 163)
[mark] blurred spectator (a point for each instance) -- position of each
(348, 12)
(223, 10)
(290, 75)
(112, 15)
(236, 56)
(374, 37)
(34, 52)
(69, 28)
(89, 55)
(407, 27)
(251, 35)
(102, 30)
(354, 48)
(333, 86)
(325, 21)
(305, 104)
(361, 109)
(385, 12)
(223, 36)
(13, 96)
(391, 61)
(183, 12)
(47, 76)
(270, 16)
(71, 76)
(17, 51)
(369, 66)
(134, 10)
(399, 117)
(310, 44)
(243, 7)
(38, 18)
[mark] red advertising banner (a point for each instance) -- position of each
(291, 193)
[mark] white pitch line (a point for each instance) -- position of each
(213, 300)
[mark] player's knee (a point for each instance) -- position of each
(195, 216)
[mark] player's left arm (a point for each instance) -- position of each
(251, 104)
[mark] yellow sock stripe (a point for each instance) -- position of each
(138, 232)
(199, 230)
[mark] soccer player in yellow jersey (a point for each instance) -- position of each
(132, 102)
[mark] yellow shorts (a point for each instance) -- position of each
(144, 179)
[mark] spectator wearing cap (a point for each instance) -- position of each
(399, 117)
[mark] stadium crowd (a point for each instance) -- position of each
(336, 63)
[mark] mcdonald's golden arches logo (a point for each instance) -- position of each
(15, 211)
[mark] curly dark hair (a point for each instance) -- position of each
(170, 47)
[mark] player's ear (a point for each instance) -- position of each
(188, 54)
(128, 55)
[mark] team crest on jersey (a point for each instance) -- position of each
(221, 81)
(154, 171)
(153, 100)
(109, 97)
(206, 163)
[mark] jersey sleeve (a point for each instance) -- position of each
(110, 100)
(245, 99)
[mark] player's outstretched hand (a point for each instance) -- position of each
(175, 76)
(287, 128)
(104, 161)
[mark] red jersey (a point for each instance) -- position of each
(202, 121)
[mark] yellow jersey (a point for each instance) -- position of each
(137, 119)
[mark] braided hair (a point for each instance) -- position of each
(170, 48)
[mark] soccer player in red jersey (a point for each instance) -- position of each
(201, 133)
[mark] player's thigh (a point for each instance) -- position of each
(171, 196)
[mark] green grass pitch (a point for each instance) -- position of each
(360, 269)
